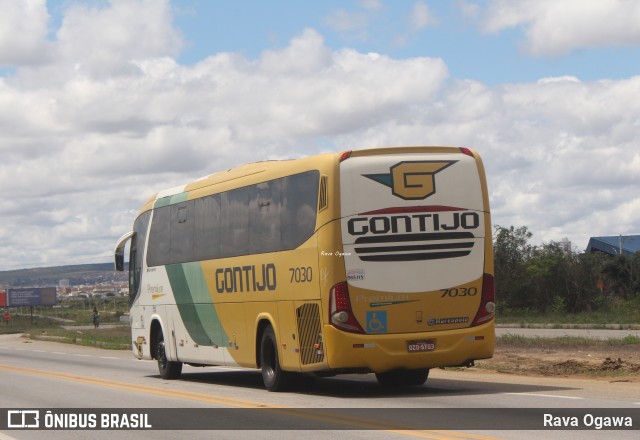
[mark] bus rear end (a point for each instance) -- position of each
(416, 238)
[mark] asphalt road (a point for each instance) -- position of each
(48, 375)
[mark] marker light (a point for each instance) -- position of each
(345, 155)
(466, 151)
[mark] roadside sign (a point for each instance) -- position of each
(37, 296)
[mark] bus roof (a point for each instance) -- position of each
(256, 172)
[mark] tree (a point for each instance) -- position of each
(511, 253)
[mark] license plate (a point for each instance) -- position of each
(421, 345)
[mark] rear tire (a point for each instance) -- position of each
(168, 369)
(274, 378)
(403, 378)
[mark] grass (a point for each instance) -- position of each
(112, 338)
(518, 341)
(20, 324)
(621, 312)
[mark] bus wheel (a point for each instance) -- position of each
(398, 378)
(272, 375)
(168, 369)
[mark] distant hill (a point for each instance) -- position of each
(51, 276)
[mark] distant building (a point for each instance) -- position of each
(615, 245)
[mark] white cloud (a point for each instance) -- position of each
(555, 28)
(421, 16)
(560, 155)
(23, 32)
(83, 148)
(371, 4)
(345, 21)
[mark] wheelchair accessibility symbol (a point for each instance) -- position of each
(376, 322)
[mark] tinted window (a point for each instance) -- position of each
(136, 253)
(160, 240)
(234, 224)
(265, 208)
(207, 227)
(182, 222)
(272, 216)
(298, 217)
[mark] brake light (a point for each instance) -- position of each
(487, 309)
(466, 151)
(340, 313)
(345, 155)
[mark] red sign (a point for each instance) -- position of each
(3, 298)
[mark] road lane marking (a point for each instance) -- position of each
(335, 419)
(545, 395)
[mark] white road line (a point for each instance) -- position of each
(82, 355)
(108, 357)
(545, 395)
(39, 351)
(58, 352)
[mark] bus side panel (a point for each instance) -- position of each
(286, 335)
(240, 344)
(190, 351)
(155, 295)
(252, 288)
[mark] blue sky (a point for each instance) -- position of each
(491, 57)
(250, 27)
(106, 102)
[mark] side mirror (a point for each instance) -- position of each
(119, 251)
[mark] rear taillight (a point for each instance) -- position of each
(340, 313)
(487, 309)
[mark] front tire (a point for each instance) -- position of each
(168, 369)
(274, 378)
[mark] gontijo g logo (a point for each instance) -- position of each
(413, 180)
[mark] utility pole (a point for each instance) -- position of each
(620, 244)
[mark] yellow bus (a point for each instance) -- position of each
(368, 261)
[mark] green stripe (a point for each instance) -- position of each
(194, 304)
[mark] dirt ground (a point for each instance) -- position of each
(607, 363)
